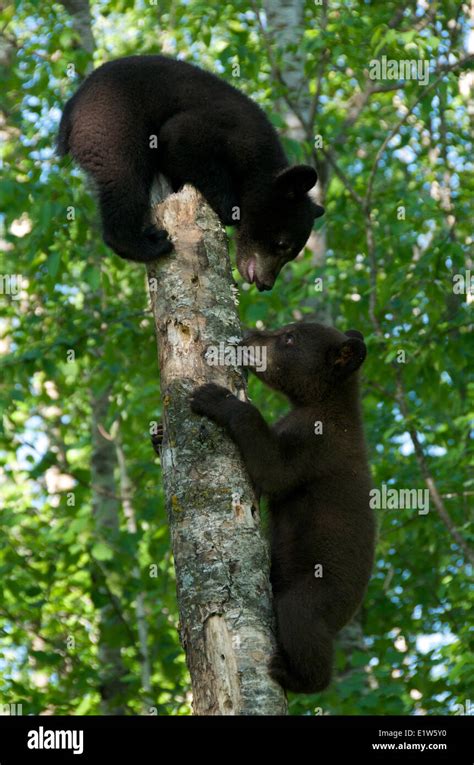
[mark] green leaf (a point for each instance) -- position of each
(101, 551)
(53, 262)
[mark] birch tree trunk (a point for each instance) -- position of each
(283, 31)
(126, 493)
(221, 558)
(105, 509)
(111, 686)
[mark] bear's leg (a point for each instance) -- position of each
(125, 209)
(117, 156)
(303, 661)
(189, 154)
(271, 468)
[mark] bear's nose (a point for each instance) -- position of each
(250, 335)
(319, 211)
(262, 287)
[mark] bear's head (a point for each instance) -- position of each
(305, 361)
(275, 225)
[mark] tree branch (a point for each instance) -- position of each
(401, 122)
(428, 477)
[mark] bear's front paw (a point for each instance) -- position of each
(207, 399)
(157, 241)
(157, 437)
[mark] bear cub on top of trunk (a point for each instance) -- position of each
(140, 116)
(313, 467)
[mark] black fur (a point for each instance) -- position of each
(318, 488)
(210, 135)
(157, 438)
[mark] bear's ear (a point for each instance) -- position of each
(348, 357)
(295, 181)
(354, 333)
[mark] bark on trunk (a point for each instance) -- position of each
(126, 493)
(112, 689)
(284, 29)
(221, 558)
(82, 23)
(105, 510)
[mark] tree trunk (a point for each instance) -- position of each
(105, 508)
(105, 505)
(126, 493)
(283, 30)
(82, 23)
(221, 558)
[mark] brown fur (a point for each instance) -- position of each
(318, 488)
(209, 134)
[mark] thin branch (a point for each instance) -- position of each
(329, 156)
(115, 602)
(420, 456)
(428, 477)
(401, 122)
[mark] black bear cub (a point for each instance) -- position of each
(139, 116)
(313, 467)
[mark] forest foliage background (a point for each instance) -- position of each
(88, 618)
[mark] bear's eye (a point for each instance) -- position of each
(282, 246)
(289, 339)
